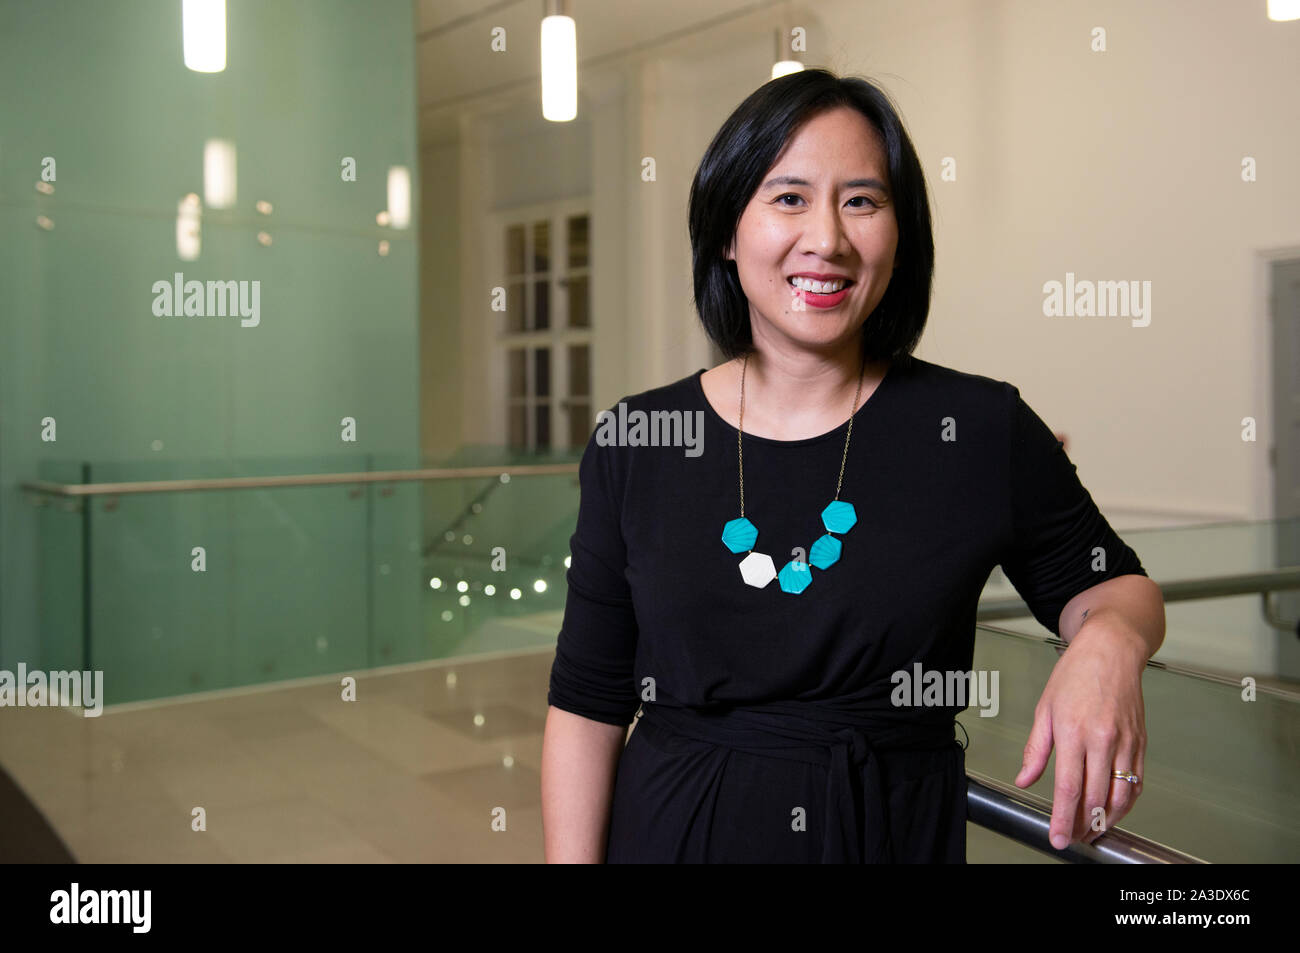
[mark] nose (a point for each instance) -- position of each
(824, 234)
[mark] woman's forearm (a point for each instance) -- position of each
(579, 761)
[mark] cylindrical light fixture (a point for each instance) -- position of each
(1282, 10)
(203, 35)
(559, 62)
(399, 196)
(784, 61)
(219, 173)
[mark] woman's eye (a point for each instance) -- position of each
(856, 198)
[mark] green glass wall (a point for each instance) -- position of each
(102, 89)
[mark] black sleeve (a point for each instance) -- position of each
(1057, 529)
(594, 655)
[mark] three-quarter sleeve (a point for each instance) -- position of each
(1060, 543)
(594, 655)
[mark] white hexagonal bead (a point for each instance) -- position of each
(758, 569)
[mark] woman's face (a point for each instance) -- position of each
(824, 208)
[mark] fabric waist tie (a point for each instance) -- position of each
(844, 741)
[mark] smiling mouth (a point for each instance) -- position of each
(810, 286)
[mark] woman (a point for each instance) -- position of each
(757, 600)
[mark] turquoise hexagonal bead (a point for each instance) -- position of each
(839, 517)
(794, 576)
(739, 535)
(825, 551)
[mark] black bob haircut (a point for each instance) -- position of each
(732, 169)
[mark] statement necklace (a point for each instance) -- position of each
(739, 535)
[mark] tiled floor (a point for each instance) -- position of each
(412, 771)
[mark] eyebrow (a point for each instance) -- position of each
(851, 184)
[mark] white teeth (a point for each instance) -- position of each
(818, 287)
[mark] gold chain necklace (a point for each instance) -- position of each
(739, 535)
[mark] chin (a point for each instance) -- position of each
(829, 341)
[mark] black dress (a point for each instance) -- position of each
(769, 729)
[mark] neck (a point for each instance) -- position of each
(806, 387)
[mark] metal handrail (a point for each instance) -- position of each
(1180, 590)
(305, 479)
(1174, 668)
(1026, 818)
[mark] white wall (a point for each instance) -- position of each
(1108, 165)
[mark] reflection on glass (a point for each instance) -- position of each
(1241, 805)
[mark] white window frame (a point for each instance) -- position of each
(558, 338)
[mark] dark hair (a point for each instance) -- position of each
(731, 170)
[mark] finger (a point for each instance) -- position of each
(1068, 789)
(1126, 759)
(1122, 793)
(1098, 764)
(1037, 749)
(1109, 817)
(1111, 814)
(1082, 831)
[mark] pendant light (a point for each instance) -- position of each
(559, 62)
